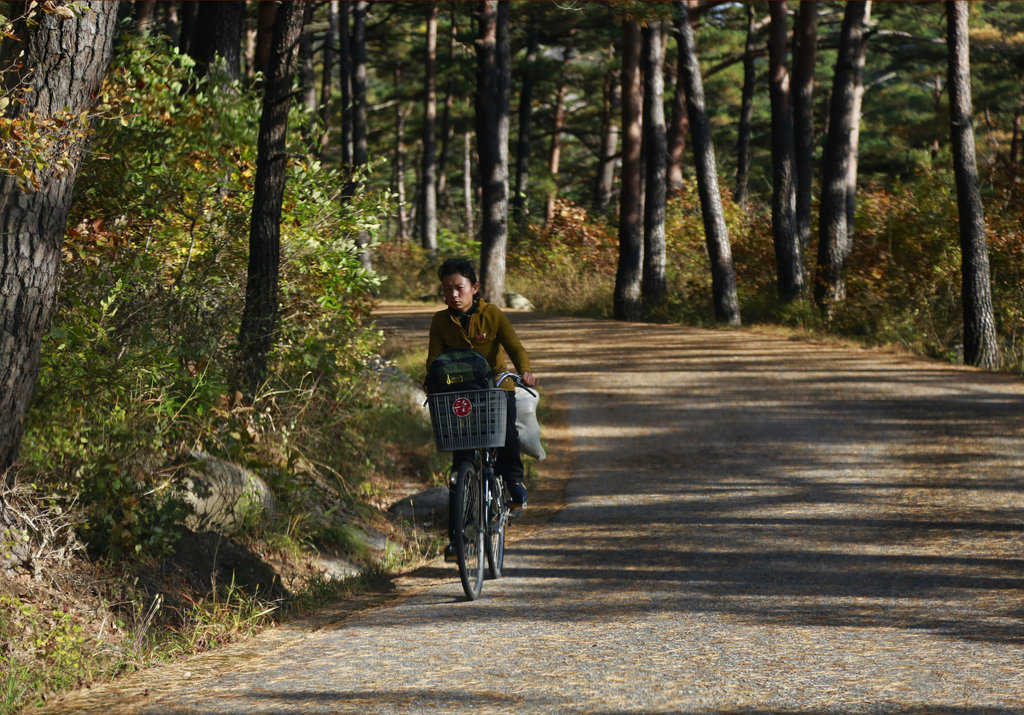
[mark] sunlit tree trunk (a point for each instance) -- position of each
(723, 275)
(68, 58)
(555, 157)
(653, 283)
(446, 117)
(345, 80)
(981, 347)
(834, 229)
(520, 207)
(628, 277)
(609, 140)
(428, 179)
(789, 269)
(259, 316)
(492, 123)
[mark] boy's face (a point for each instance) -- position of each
(458, 292)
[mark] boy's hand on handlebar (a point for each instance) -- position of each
(528, 378)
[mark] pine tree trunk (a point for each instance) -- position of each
(256, 334)
(981, 347)
(627, 300)
(723, 275)
(428, 184)
(789, 269)
(345, 81)
(218, 34)
(833, 225)
(520, 208)
(609, 140)
(742, 190)
(68, 58)
(492, 123)
(327, 80)
(555, 157)
(805, 53)
(653, 282)
(677, 132)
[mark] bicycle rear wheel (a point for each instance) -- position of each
(497, 518)
(469, 527)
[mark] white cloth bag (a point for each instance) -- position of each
(526, 424)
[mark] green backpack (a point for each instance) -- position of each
(458, 370)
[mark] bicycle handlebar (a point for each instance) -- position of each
(515, 378)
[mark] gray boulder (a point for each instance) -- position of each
(517, 302)
(429, 507)
(223, 496)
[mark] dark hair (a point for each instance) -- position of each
(462, 266)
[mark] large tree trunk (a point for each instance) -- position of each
(746, 112)
(360, 150)
(609, 141)
(981, 347)
(723, 275)
(789, 268)
(627, 300)
(401, 234)
(805, 53)
(428, 184)
(218, 33)
(520, 208)
(67, 58)
(259, 316)
(467, 184)
(492, 120)
(834, 229)
(653, 283)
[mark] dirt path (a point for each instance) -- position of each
(753, 525)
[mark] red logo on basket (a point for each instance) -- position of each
(462, 407)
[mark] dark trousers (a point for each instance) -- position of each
(509, 462)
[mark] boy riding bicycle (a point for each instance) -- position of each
(471, 322)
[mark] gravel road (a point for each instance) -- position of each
(752, 524)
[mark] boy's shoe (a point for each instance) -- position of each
(517, 495)
(449, 553)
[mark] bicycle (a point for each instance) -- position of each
(476, 421)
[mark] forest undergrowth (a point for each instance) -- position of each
(100, 573)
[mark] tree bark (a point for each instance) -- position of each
(345, 81)
(218, 33)
(57, 78)
(834, 229)
(746, 112)
(520, 207)
(981, 347)
(492, 123)
(256, 334)
(805, 53)
(677, 131)
(360, 153)
(653, 282)
(609, 140)
(467, 184)
(723, 275)
(446, 117)
(789, 268)
(400, 118)
(555, 157)
(628, 277)
(428, 184)
(327, 80)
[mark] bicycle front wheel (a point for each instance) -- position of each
(469, 527)
(497, 518)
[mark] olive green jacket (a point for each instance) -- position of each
(489, 332)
